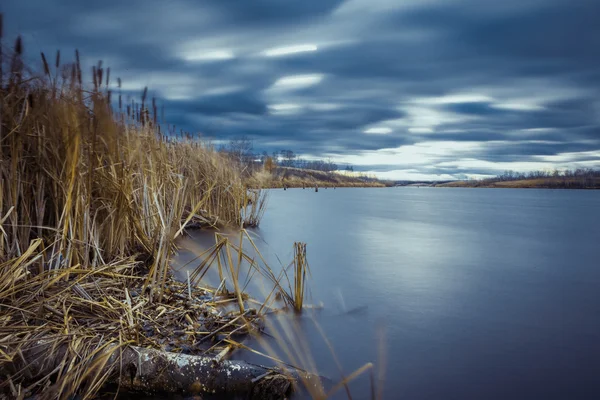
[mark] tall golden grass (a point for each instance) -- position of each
(90, 196)
(94, 183)
(279, 177)
(92, 199)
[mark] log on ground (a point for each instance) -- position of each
(150, 371)
(154, 371)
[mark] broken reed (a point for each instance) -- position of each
(300, 270)
(256, 203)
(230, 259)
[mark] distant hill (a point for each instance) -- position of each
(296, 177)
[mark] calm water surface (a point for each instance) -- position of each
(479, 293)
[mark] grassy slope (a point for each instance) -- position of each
(295, 177)
(548, 183)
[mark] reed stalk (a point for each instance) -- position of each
(300, 270)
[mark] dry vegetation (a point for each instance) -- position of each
(534, 183)
(92, 200)
(297, 178)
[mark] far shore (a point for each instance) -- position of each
(540, 183)
(537, 183)
(288, 177)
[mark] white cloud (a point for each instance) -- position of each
(529, 94)
(285, 109)
(381, 130)
(538, 130)
(293, 82)
(287, 50)
(362, 7)
(456, 98)
(420, 130)
(419, 154)
(522, 106)
(423, 117)
(202, 55)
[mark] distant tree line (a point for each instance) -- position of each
(580, 178)
(574, 173)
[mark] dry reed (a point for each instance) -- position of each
(92, 200)
(91, 203)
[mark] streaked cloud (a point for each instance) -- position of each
(297, 81)
(400, 88)
(284, 51)
(285, 109)
(379, 130)
(208, 55)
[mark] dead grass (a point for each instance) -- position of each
(298, 178)
(92, 200)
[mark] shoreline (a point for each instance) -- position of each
(519, 186)
(321, 186)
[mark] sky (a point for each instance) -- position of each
(403, 89)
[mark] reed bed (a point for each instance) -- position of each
(93, 196)
(96, 184)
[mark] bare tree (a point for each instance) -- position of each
(240, 149)
(288, 157)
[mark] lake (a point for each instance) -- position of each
(475, 293)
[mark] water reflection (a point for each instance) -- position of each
(483, 293)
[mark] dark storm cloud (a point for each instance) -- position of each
(522, 151)
(257, 13)
(237, 102)
(477, 109)
(519, 77)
